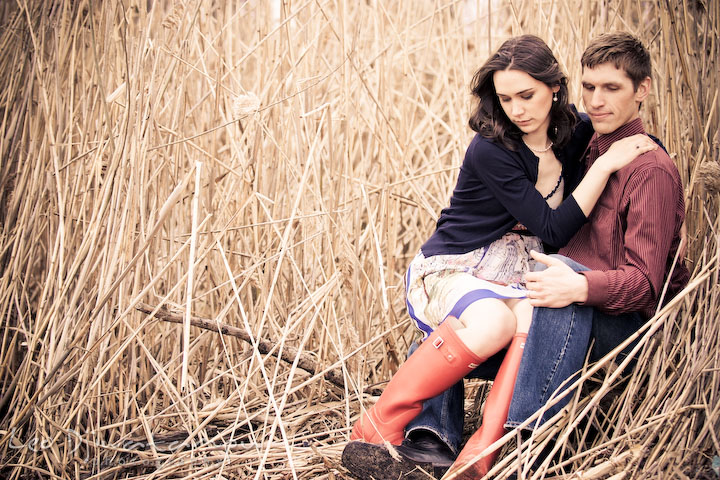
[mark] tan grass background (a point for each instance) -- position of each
(273, 166)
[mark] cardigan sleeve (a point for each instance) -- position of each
(507, 178)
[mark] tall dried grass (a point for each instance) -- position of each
(273, 166)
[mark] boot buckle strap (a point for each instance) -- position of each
(437, 343)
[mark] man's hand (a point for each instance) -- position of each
(558, 286)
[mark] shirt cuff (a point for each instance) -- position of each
(597, 287)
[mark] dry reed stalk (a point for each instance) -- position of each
(309, 206)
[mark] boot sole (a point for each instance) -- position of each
(367, 461)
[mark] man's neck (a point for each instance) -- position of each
(635, 117)
(630, 128)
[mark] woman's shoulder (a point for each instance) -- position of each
(488, 147)
(488, 157)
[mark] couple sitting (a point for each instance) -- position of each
(536, 173)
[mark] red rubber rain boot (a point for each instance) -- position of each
(440, 361)
(494, 416)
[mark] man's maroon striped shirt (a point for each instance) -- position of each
(633, 233)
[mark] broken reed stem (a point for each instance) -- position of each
(287, 354)
(189, 290)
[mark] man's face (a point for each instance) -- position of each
(610, 98)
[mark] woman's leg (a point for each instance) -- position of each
(486, 326)
(454, 349)
(440, 361)
(498, 400)
(523, 312)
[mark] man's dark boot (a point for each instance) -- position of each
(421, 458)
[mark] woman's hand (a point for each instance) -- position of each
(624, 151)
(620, 154)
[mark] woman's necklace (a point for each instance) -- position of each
(538, 151)
(554, 190)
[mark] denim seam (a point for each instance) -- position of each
(444, 413)
(551, 377)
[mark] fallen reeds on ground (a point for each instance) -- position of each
(207, 209)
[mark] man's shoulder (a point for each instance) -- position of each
(656, 159)
(655, 162)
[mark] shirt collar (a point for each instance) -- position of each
(605, 141)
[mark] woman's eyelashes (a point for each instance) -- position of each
(525, 96)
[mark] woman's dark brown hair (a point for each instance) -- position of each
(529, 54)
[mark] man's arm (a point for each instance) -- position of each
(651, 203)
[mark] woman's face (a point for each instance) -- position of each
(525, 101)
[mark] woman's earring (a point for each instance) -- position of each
(555, 98)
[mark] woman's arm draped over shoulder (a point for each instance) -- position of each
(507, 178)
(620, 154)
(504, 175)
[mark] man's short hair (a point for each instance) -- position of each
(624, 51)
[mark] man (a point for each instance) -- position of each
(604, 284)
(626, 250)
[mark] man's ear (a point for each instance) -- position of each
(643, 90)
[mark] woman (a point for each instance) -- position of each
(465, 288)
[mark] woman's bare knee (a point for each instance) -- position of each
(489, 326)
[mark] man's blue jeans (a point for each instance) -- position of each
(555, 350)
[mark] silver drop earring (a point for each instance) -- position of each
(555, 97)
